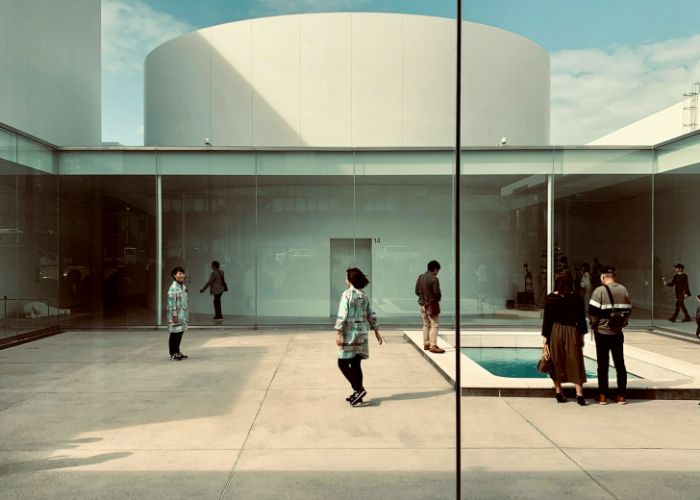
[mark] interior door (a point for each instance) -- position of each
(345, 253)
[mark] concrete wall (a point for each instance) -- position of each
(345, 80)
(653, 129)
(50, 76)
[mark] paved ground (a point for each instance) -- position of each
(261, 415)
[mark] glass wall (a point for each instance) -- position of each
(675, 240)
(504, 236)
(603, 216)
(107, 267)
(275, 220)
(29, 287)
(404, 219)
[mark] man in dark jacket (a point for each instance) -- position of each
(429, 295)
(217, 286)
(682, 289)
(609, 310)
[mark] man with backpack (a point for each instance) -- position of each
(609, 310)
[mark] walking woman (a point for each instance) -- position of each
(351, 332)
(563, 329)
(178, 313)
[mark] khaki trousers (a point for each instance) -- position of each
(430, 327)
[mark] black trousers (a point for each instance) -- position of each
(217, 306)
(174, 342)
(680, 306)
(604, 346)
(352, 369)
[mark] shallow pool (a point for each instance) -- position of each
(521, 362)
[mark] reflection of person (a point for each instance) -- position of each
(697, 317)
(682, 289)
(178, 313)
(596, 271)
(609, 310)
(354, 314)
(428, 291)
(563, 329)
(216, 287)
(585, 283)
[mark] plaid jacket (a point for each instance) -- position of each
(177, 306)
(354, 314)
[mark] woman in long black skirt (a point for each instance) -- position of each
(563, 328)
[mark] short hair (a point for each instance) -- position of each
(433, 265)
(679, 266)
(176, 269)
(215, 264)
(357, 278)
(563, 282)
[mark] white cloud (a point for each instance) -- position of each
(596, 91)
(130, 30)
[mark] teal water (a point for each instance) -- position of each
(521, 362)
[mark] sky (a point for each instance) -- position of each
(612, 61)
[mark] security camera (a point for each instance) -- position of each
(207, 142)
(503, 142)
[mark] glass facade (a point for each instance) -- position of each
(285, 224)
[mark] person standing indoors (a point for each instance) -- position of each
(682, 289)
(609, 311)
(217, 286)
(178, 313)
(697, 317)
(429, 295)
(585, 284)
(563, 329)
(354, 315)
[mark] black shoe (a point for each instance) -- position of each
(357, 397)
(559, 397)
(672, 320)
(174, 357)
(581, 400)
(687, 320)
(349, 398)
(697, 334)
(182, 356)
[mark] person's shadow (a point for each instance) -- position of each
(61, 461)
(403, 396)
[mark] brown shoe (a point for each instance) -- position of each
(436, 349)
(426, 347)
(621, 400)
(602, 399)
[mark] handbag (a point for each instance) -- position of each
(545, 364)
(222, 279)
(432, 308)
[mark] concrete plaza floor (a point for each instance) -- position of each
(261, 415)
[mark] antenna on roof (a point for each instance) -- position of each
(690, 109)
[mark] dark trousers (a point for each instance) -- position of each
(352, 369)
(604, 345)
(174, 342)
(680, 306)
(217, 306)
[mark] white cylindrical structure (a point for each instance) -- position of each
(345, 80)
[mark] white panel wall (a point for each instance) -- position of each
(326, 95)
(50, 77)
(232, 70)
(276, 77)
(348, 79)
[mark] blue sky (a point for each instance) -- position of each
(645, 52)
